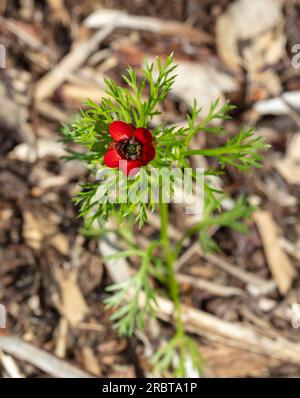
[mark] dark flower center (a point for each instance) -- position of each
(130, 149)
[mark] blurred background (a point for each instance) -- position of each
(52, 277)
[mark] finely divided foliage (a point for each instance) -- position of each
(137, 104)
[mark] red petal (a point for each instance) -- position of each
(143, 135)
(130, 167)
(112, 158)
(120, 130)
(148, 153)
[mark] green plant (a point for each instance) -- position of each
(126, 113)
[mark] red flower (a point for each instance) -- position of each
(131, 148)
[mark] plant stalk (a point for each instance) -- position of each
(216, 151)
(173, 285)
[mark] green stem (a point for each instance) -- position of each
(194, 131)
(172, 282)
(223, 150)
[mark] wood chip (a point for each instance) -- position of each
(52, 112)
(218, 356)
(118, 269)
(255, 284)
(10, 366)
(40, 359)
(203, 82)
(59, 11)
(289, 166)
(40, 228)
(121, 19)
(80, 93)
(211, 287)
(278, 105)
(26, 33)
(30, 152)
(53, 79)
(237, 334)
(232, 29)
(290, 248)
(72, 304)
(61, 338)
(278, 262)
(90, 361)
